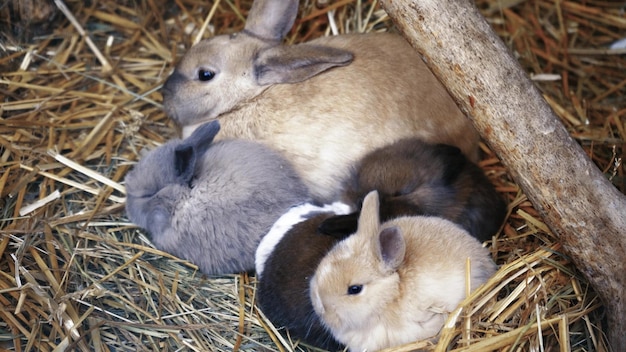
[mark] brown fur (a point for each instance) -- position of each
(417, 178)
(323, 104)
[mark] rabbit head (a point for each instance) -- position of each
(285, 261)
(359, 278)
(219, 73)
(161, 177)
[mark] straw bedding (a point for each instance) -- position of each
(80, 82)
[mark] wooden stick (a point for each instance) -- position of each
(576, 201)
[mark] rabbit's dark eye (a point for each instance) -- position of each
(205, 75)
(355, 289)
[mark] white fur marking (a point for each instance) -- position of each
(292, 217)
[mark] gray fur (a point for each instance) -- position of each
(216, 215)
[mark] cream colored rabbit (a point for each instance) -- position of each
(396, 282)
(323, 104)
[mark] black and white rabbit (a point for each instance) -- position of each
(285, 261)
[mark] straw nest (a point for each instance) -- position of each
(80, 100)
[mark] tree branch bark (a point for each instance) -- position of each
(576, 201)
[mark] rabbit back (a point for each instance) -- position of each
(330, 136)
(285, 224)
(413, 177)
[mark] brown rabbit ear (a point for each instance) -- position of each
(271, 19)
(369, 219)
(297, 63)
(191, 149)
(202, 137)
(392, 248)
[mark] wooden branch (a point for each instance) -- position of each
(574, 198)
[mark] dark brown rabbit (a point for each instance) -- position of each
(413, 177)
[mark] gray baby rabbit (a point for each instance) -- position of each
(394, 283)
(372, 89)
(413, 177)
(211, 203)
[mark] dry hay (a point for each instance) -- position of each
(76, 111)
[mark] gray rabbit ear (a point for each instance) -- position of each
(192, 148)
(203, 135)
(296, 63)
(271, 19)
(201, 138)
(392, 248)
(185, 158)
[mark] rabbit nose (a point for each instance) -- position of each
(169, 106)
(172, 83)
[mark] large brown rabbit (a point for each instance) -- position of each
(323, 104)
